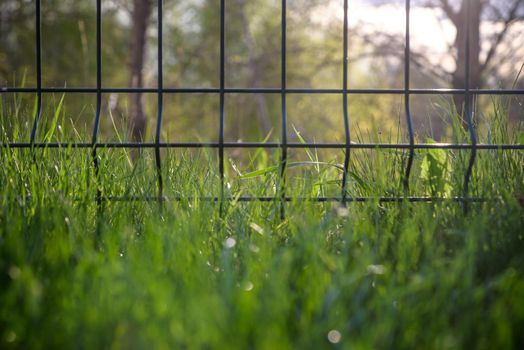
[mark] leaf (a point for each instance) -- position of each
(434, 170)
(363, 184)
(258, 229)
(54, 121)
(271, 169)
(260, 172)
(261, 154)
(303, 141)
(234, 166)
(327, 182)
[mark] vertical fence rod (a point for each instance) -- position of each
(38, 42)
(468, 106)
(96, 126)
(345, 103)
(222, 103)
(283, 159)
(160, 100)
(409, 121)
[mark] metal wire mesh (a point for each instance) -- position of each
(283, 91)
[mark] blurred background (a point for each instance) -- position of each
(315, 29)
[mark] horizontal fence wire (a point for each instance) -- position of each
(267, 145)
(283, 145)
(305, 199)
(127, 90)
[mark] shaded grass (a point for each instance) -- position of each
(141, 275)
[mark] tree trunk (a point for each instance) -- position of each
(256, 81)
(140, 17)
(459, 75)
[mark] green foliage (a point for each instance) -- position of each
(435, 170)
(54, 122)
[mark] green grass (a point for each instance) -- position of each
(369, 275)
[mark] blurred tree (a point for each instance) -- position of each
(253, 48)
(65, 39)
(256, 79)
(137, 49)
(506, 13)
(485, 56)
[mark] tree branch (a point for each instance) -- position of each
(448, 10)
(499, 38)
(389, 45)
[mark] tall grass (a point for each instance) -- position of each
(179, 275)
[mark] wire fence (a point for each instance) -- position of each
(474, 147)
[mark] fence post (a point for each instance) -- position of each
(96, 126)
(222, 104)
(347, 132)
(283, 146)
(468, 111)
(407, 92)
(38, 44)
(160, 101)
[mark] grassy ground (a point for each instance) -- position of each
(369, 275)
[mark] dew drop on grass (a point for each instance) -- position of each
(376, 269)
(230, 243)
(14, 272)
(11, 337)
(257, 228)
(342, 212)
(247, 286)
(334, 336)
